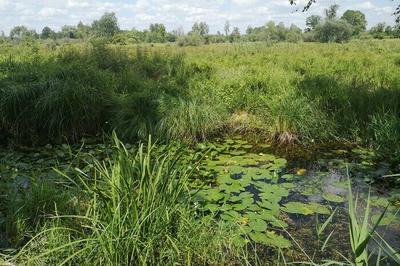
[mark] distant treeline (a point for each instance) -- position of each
(330, 28)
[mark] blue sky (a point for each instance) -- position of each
(36, 14)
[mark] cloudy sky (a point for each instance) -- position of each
(177, 13)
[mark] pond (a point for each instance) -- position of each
(280, 200)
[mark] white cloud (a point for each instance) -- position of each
(174, 13)
(245, 2)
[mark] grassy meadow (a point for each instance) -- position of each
(73, 193)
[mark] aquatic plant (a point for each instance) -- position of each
(360, 232)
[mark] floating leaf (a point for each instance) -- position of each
(270, 238)
(273, 206)
(258, 225)
(287, 176)
(333, 197)
(386, 220)
(212, 207)
(237, 153)
(318, 208)
(212, 194)
(224, 179)
(239, 241)
(298, 208)
(231, 216)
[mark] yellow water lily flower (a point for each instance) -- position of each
(301, 171)
(244, 220)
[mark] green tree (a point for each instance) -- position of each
(378, 31)
(227, 28)
(200, 28)
(312, 22)
(356, 19)
(294, 34)
(47, 33)
(157, 33)
(333, 30)
(18, 32)
(331, 12)
(69, 32)
(235, 35)
(83, 31)
(106, 26)
(271, 31)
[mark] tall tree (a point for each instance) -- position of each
(378, 31)
(331, 11)
(106, 26)
(356, 19)
(47, 33)
(312, 22)
(83, 31)
(69, 32)
(200, 28)
(227, 28)
(157, 33)
(235, 35)
(18, 32)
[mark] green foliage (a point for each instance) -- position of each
(190, 40)
(106, 26)
(356, 19)
(312, 22)
(334, 31)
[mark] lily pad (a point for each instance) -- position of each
(318, 208)
(270, 238)
(258, 225)
(237, 153)
(273, 206)
(212, 207)
(287, 176)
(239, 241)
(297, 208)
(333, 197)
(386, 220)
(212, 194)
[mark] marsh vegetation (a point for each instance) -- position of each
(252, 150)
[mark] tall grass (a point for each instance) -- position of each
(190, 120)
(295, 92)
(135, 210)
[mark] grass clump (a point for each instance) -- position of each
(135, 210)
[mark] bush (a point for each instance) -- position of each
(190, 40)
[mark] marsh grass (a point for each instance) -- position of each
(300, 93)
